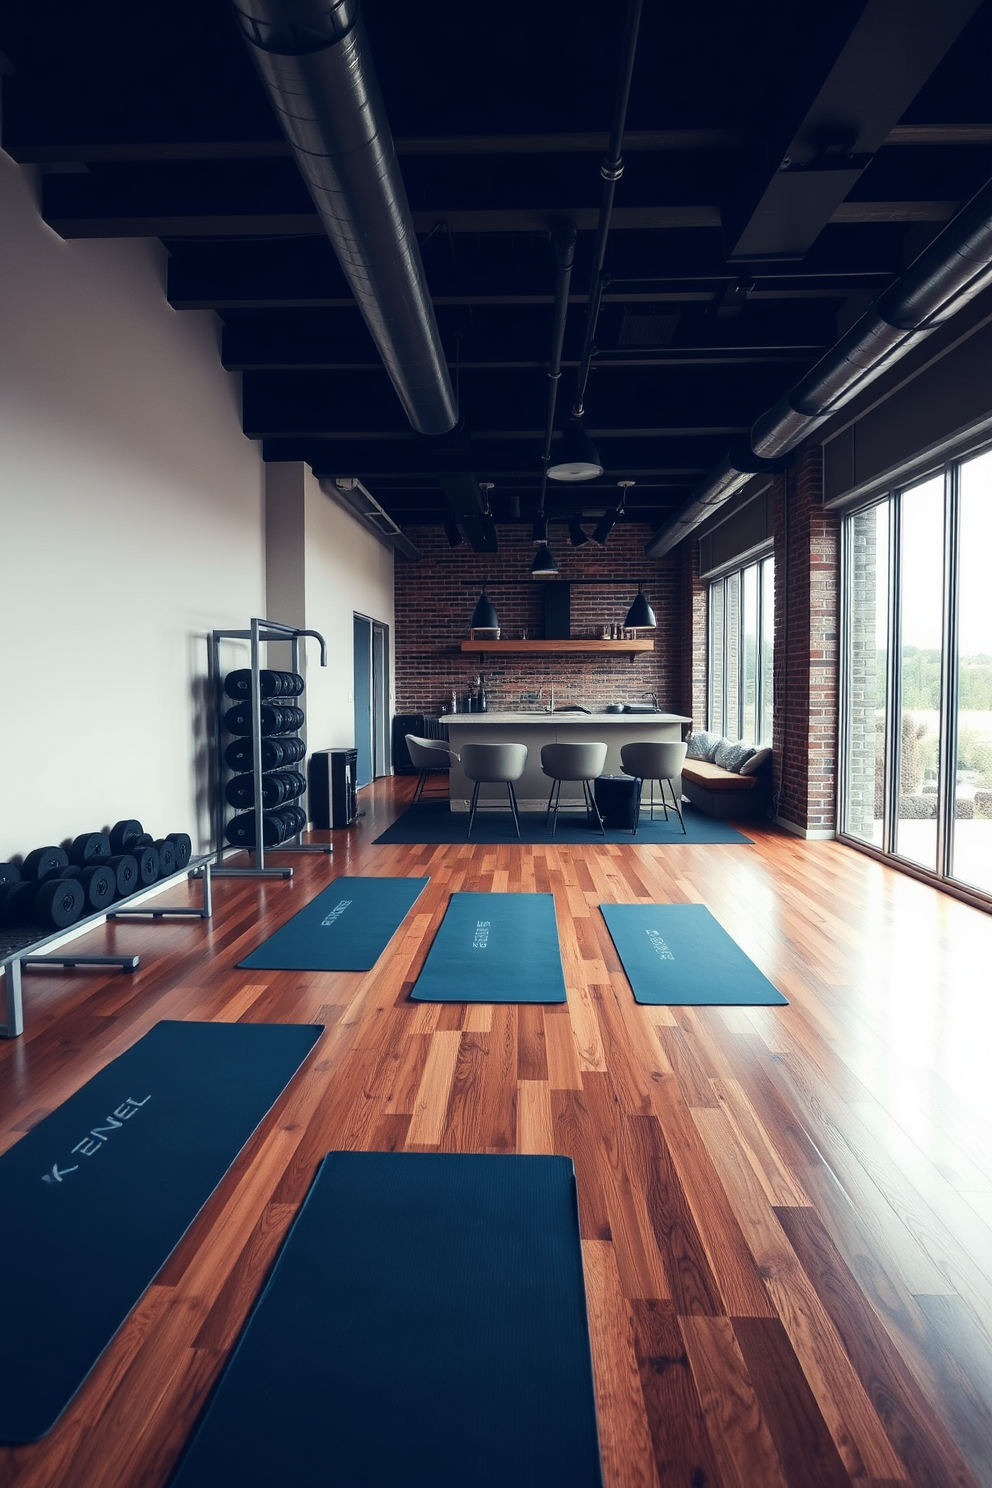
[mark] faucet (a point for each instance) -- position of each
(549, 707)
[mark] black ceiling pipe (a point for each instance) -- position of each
(563, 237)
(314, 60)
(955, 268)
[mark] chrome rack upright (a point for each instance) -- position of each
(261, 632)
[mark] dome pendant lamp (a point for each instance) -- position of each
(484, 616)
(577, 458)
(640, 616)
(544, 562)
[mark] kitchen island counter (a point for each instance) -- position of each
(535, 729)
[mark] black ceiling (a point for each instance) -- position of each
(728, 276)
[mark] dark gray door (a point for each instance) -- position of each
(363, 699)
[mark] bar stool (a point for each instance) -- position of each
(573, 762)
(427, 755)
(494, 764)
(656, 761)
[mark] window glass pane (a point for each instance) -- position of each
(764, 731)
(716, 656)
(749, 660)
(732, 717)
(867, 660)
(922, 580)
(972, 851)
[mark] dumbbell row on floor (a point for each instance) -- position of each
(274, 719)
(277, 826)
(277, 789)
(53, 888)
(237, 684)
(276, 754)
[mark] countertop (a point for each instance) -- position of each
(606, 720)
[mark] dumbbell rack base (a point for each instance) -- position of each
(175, 911)
(261, 632)
(13, 996)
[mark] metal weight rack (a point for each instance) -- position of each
(261, 633)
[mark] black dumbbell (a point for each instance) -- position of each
(99, 884)
(237, 684)
(17, 902)
(166, 857)
(89, 846)
(9, 873)
(148, 864)
(183, 844)
(59, 902)
(44, 862)
(125, 867)
(277, 789)
(123, 833)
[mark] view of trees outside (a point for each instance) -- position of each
(741, 613)
(923, 712)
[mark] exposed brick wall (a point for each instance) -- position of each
(434, 607)
(806, 646)
(695, 637)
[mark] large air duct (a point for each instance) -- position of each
(951, 271)
(314, 60)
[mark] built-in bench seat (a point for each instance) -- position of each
(720, 792)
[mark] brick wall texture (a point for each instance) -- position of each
(435, 599)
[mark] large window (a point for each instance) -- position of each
(917, 719)
(741, 619)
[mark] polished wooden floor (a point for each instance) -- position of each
(786, 1212)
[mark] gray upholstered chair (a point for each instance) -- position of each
(427, 755)
(573, 762)
(499, 764)
(656, 761)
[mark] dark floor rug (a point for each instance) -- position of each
(432, 821)
(96, 1197)
(424, 1326)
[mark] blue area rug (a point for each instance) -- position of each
(679, 954)
(432, 821)
(494, 948)
(97, 1195)
(424, 1326)
(346, 928)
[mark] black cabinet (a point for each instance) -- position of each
(333, 787)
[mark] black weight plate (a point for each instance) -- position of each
(147, 861)
(9, 873)
(89, 846)
(294, 719)
(99, 885)
(145, 840)
(123, 833)
(237, 684)
(296, 684)
(126, 869)
(73, 871)
(183, 844)
(237, 720)
(60, 902)
(17, 903)
(293, 749)
(44, 862)
(166, 857)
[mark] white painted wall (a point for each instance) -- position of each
(320, 557)
(130, 525)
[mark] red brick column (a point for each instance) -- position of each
(807, 555)
(695, 637)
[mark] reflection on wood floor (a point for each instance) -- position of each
(786, 1212)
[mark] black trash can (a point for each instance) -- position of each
(618, 798)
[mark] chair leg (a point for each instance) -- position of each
(513, 805)
(551, 796)
(664, 803)
(592, 807)
(677, 804)
(556, 793)
(471, 814)
(652, 800)
(419, 789)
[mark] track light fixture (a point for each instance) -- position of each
(577, 458)
(484, 616)
(577, 536)
(452, 532)
(640, 616)
(544, 562)
(611, 518)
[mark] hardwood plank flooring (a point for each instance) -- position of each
(786, 1212)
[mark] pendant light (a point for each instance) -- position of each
(452, 532)
(484, 616)
(640, 616)
(544, 562)
(577, 458)
(610, 519)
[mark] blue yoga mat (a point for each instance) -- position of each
(97, 1195)
(678, 953)
(424, 1325)
(494, 948)
(346, 928)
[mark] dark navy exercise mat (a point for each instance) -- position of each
(679, 954)
(494, 948)
(424, 1326)
(346, 928)
(96, 1196)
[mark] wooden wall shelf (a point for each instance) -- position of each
(508, 648)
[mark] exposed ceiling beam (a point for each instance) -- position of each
(888, 56)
